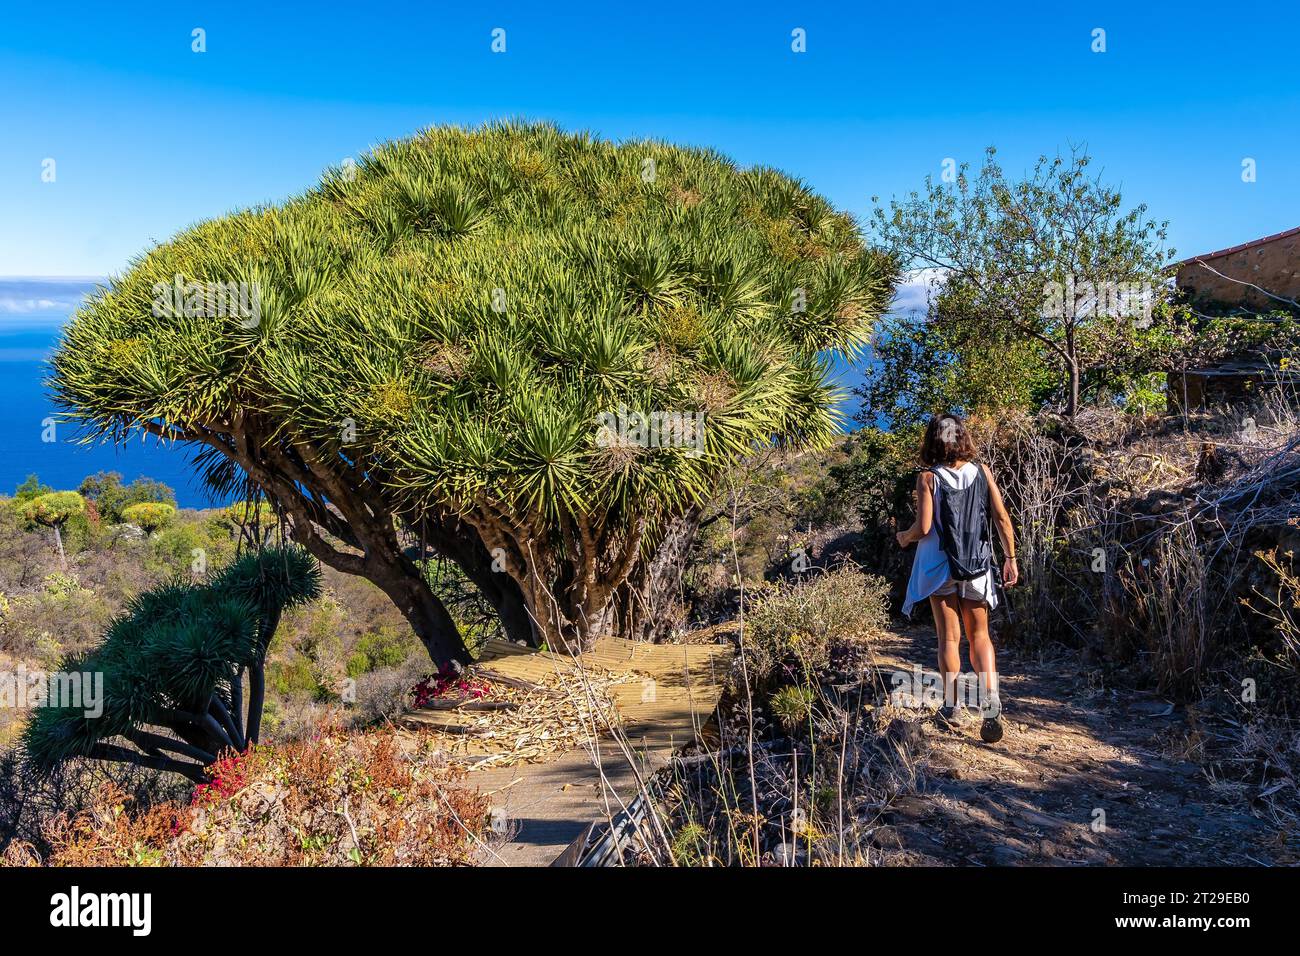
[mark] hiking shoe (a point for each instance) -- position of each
(949, 716)
(991, 730)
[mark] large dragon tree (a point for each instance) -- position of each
(437, 330)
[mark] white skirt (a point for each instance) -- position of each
(931, 575)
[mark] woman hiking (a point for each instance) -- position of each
(956, 501)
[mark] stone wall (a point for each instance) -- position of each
(1272, 264)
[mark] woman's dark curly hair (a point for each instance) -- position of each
(946, 441)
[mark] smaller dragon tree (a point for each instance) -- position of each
(174, 671)
(150, 516)
(53, 511)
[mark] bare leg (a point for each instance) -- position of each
(975, 617)
(947, 625)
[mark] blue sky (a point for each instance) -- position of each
(149, 136)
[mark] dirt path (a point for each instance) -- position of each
(1084, 776)
(540, 808)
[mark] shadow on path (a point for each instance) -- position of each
(1084, 776)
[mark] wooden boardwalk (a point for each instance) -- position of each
(545, 806)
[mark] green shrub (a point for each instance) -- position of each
(388, 646)
(1143, 394)
(690, 845)
(59, 584)
(112, 498)
(294, 677)
(792, 706)
(172, 550)
(78, 534)
(174, 661)
(29, 489)
(790, 631)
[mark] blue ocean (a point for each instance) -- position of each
(32, 315)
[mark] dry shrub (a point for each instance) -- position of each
(343, 799)
(70, 619)
(816, 806)
(1134, 532)
(1038, 476)
(290, 721)
(812, 789)
(385, 693)
(29, 800)
(1274, 670)
(1265, 754)
(1281, 605)
(1168, 604)
(791, 629)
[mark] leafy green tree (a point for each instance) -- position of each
(875, 480)
(149, 515)
(53, 511)
(111, 497)
(1049, 264)
(174, 670)
(30, 488)
(878, 476)
(437, 333)
(924, 366)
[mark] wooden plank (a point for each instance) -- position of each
(688, 682)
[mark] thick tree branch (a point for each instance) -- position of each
(103, 751)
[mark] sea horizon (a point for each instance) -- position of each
(33, 312)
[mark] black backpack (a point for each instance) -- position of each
(964, 533)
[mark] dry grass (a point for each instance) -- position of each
(342, 799)
(502, 725)
(813, 783)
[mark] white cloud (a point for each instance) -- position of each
(911, 297)
(10, 305)
(28, 296)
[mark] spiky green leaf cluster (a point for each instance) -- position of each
(149, 515)
(459, 307)
(52, 509)
(173, 648)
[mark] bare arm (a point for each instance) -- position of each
(1007, 534)
(924, 511)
